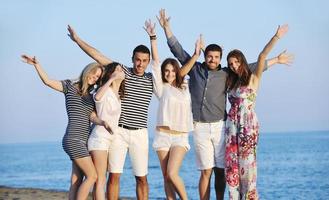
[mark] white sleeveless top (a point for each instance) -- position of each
(174, 108)
(108, 109)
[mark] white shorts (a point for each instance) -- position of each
(209, 142)
(163, 141)
(99, 143)
(136, 143)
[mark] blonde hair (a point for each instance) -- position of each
(83, 85)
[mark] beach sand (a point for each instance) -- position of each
(7, 193)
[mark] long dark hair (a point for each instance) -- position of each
(108, 71)
(243, 74)
(179, 79)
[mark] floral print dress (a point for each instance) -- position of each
(241, 142)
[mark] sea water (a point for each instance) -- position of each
(290, 166)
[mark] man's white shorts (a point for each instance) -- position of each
(209, 142)
(164, 141)
(136, 143)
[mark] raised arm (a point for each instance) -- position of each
(102, 90)
(164, 23)
(150, 29)
(54, 84)
(280, 32)
(89, 50)
(199, 44)
(283, 58)
(156, 70)
(175, 47)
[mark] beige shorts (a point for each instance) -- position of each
(164, 141)
(209, 142)
(99, 143)
(135, 142)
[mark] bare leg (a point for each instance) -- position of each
(142, 187)
(100, 162)
(76, 180)
(220, 183)
(113, 186)
(87, 166)
(176, 157)
(204, 184)
(169, 189)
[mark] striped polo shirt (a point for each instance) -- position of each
(135, 104)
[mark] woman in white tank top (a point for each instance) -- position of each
(174, 117)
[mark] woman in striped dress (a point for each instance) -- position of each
(80, 111)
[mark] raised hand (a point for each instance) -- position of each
(72, 34)
(163, 19)
(199, 45)
(285, 58)
(149, 27)
(282, 30)
(118, 75)
(29, 60)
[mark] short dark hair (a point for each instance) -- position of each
(213, 47)
(142, 49)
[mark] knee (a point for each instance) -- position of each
(114, 178)
(92, 176)
(76, 180)
(101, 180)
(206, 173)
(141, 180)
(170, 176)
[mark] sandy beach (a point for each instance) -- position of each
(7, 193)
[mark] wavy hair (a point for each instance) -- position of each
(179, 79)
(83, 87)
(243, 74)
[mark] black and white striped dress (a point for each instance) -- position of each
(138, 94)
(78, 129)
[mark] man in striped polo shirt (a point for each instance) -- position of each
(132, 136)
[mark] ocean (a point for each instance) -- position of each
(290, 166)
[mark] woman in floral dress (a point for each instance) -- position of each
(242, 125)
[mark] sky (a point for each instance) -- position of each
(290, 99)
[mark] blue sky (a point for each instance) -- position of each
(290, 98)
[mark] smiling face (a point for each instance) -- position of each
(234, 64)
(94, 76)
(212, 59)
(170, 74)
(141, 61)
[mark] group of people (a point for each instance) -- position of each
(224, 143)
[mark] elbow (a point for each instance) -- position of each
(97, 98)
(262, 57)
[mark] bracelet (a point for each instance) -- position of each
(153, 37)
(277, 36)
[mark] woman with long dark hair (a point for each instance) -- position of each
(108, 106)
(174, 118)
(242, 128)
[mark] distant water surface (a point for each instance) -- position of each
(290, 166)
